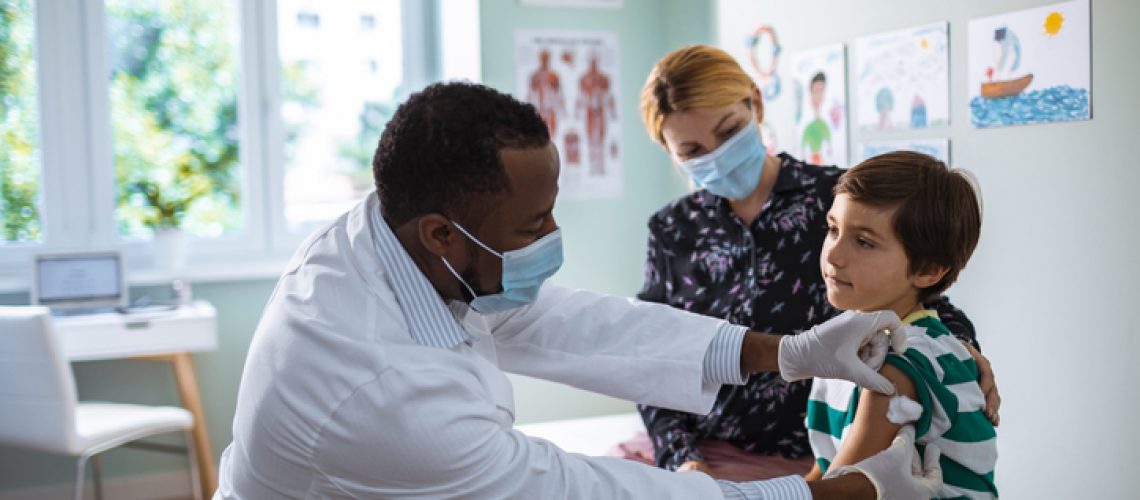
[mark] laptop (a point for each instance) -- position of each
(79, 281)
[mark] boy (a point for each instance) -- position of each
(900, 230)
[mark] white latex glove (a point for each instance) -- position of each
(897, 472)
(849, 347)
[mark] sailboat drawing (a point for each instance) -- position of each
(1007, 54)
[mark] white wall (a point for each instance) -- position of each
(1054, 282)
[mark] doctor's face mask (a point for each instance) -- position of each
(524, 271)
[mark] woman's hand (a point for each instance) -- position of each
(987, 384)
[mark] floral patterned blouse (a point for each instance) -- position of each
(765, 275)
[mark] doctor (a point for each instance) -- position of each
(377, 368)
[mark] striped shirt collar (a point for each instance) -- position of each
(430, 321)
(919, 314)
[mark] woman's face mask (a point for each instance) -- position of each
(524, 271)
(733, 169)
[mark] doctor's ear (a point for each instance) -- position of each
(436, 233)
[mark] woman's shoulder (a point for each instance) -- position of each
(810, 169)
(682, 208)
(820, 178)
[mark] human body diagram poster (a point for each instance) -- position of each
(572, 78)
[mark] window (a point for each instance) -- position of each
(174, 92)
(246, 123)
(339, 87)
(19, 126)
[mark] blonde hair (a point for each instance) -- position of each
(697, 76)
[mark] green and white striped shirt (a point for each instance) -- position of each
(945, 376)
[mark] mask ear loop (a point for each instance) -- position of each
(476, 240)
(452, 269)
(458, 277)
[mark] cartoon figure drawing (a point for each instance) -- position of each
(918, 112)
(884, 104)
(817, 135)
(1007, 59)
(596, 98)
(545, 92)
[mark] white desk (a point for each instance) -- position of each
(592, 436)
(190, 328)
(161, 336)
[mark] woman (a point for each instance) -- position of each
(744, 247)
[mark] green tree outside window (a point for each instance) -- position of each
(19, 126)
(174, 84)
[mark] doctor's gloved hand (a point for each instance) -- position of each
(851, 346)
(897, 472)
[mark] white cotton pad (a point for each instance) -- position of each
(903, 410)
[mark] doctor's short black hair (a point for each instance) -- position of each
(440, 151)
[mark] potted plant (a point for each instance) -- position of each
(164, 210)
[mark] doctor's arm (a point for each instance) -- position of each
(657, 355)
(434, 431)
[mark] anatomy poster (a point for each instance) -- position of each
(572, 78)
(903, 78)
(1030, 66)
(821, 105)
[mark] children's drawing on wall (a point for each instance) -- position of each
(903, 78)
(821, 105)
(938, 148)
(764, 57)
(571, 77)
(1031, 66)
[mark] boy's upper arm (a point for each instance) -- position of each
(871, 432)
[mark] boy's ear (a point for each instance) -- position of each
(928, 276)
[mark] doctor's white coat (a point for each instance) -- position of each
(338, 400)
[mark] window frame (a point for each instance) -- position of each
(77, 182)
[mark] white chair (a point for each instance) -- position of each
(39, 409)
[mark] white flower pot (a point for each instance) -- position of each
(169, 250)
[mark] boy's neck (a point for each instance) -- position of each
(904, 310)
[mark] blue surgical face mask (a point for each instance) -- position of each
(733, 169)
(524, 271)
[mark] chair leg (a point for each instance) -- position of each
(192, 455)
(80, 474)
(97, 472)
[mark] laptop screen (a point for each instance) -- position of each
(79, 280)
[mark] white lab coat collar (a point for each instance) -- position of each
(430, 321)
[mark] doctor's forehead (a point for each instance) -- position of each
(533, 168)
(533, 174)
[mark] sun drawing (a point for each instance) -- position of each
(1053, 23)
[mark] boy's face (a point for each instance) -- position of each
(863, 262)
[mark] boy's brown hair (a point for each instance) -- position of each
(938, 216)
